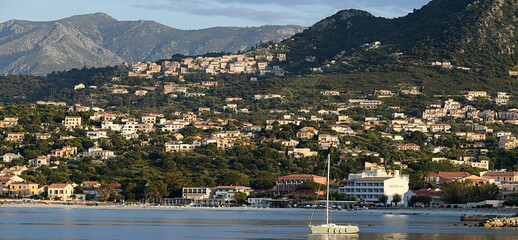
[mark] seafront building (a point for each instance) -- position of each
(374, 182)
(287, 184)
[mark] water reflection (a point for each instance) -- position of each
(334, 237)
(227, 224)
(398, 236)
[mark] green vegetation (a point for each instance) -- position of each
(463, 192)
(465, 32)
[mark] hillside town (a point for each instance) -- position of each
(388, 158)
(259, 64)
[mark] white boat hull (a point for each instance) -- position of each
(334, 229)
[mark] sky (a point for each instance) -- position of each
(197, 14)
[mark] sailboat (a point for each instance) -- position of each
(331, 228)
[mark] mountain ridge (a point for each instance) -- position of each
(96, 40)
(472, 33)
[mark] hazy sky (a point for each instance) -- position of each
(196, 14)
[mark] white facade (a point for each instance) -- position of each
(196, 192)
(228, 192)
(260, 202)
(63, 191)
(371, 188)
(40, 161)
(8, 157)
(97, 151)
(179, 147)
(374, 182)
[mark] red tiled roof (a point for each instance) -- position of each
(58, 185)
(427, 192)
(498, 174)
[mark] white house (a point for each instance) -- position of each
(97, 151)
(40, 161)
(8, 157)
(63, 191)
(96, 134)
(179, 146)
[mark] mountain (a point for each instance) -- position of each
(471, 33)
(99, 40)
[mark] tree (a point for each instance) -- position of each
(396, 198)
(105, 191)
(234, 178)
(176, 182)
(383, 199)
(311, 186)
(463, 192)
(417, 137)
(241, 198)
(263, 183)
(156, 189)
(425, 199)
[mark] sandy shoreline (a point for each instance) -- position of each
(388, 211)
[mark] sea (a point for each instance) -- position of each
(229, 223)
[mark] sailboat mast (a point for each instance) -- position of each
(327, 190)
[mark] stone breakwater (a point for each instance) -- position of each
(501, 222)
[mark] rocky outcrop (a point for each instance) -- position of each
(501, 222)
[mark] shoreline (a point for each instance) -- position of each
(385, 211)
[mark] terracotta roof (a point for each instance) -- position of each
(473, 177)
(24, 183)
(498, 174)
(427, 192)
(58, 185)
(11, 155)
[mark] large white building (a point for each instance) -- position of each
(374, 182)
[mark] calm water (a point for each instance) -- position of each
(57, 223)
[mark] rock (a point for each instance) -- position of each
(501, 222)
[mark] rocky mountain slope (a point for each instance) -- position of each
(99, 40)
(471, 33)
